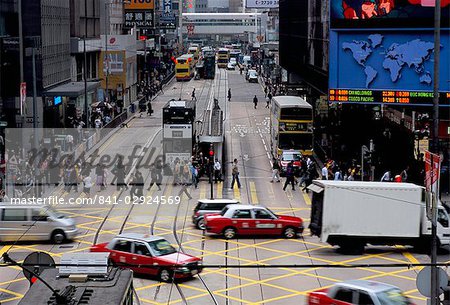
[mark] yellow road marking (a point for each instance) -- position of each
(219, 190)
(306, 198)
(19, 295)
(253, 195)
(202, 191)
(237, 194)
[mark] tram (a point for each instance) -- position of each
(178, 131)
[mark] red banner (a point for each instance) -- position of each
(432, 169)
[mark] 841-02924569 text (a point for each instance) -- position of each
(98, 199)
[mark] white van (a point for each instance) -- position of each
(35, 222)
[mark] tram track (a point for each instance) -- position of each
(137, 161)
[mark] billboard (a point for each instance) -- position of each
(262, 4)
(385, 14)
(382, 52)
(139, 5)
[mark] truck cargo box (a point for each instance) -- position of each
(366, 209)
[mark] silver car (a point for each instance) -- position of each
(35, 222)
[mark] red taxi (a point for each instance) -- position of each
(288, 156)
(252, 220)
(140, 250)
(359, 292)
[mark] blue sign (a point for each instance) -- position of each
(167, 7)
(381, 60)
(57, 100)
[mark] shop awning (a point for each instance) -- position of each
(72, 89)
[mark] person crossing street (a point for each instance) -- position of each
(255, 101)
(235, 174)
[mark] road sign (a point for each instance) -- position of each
(423, 280)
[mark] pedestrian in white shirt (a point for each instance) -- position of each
(324, 173)
(217, 169)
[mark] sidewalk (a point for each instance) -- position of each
(104, 134)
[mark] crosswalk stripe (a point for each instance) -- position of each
(202, 190)
(253, 194)
(237, 194)
(219, 190)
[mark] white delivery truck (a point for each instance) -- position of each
(351, 214)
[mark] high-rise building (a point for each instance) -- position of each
(9, 61)
(111, 17)
(46, 29)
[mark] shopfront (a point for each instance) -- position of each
(64, 105)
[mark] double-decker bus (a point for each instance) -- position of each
(194, 50)
(178, 135)
(291, 121)
(184, 67)
(223, 56)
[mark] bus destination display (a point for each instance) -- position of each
(387, 97)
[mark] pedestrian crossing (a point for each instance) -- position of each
(255, 191)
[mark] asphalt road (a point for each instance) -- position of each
(247, 139)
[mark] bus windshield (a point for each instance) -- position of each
(296, 114)
(301, 141)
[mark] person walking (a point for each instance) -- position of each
(235, 174)
(269, 95)
(99, 173)
(275, 170)
(194, 174)
(194, 98)
(217, 169)
(267, 102)
(290, 176)
(404, 174)
(120, 175)
(324, 172)
(229, 94)
(255, 101)
(154, 177)
(137, 186)
(149, 108)
(265, 91)
(87, 184)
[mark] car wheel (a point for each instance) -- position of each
(58, 237)
(201, 224)
(289, 232)
(229, 233)
(165, 275)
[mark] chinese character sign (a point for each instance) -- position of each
(142, 19)
(167, 7)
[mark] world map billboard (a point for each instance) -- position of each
(389, 60)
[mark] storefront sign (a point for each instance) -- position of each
(140, 19)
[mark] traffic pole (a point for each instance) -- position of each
(437, 48)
